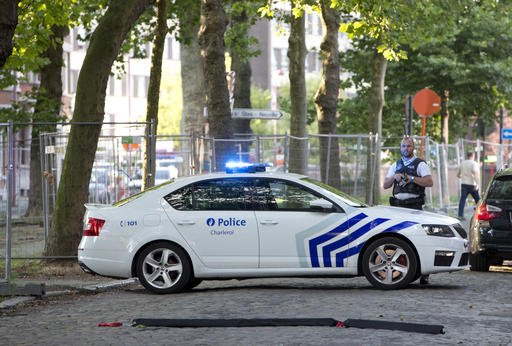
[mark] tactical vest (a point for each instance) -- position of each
(411, 170)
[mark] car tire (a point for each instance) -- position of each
(193, 282)
(396, 270)
(164, 268)
(479, 262)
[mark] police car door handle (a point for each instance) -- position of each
(185, 222)
(269, 222)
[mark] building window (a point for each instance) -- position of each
(135, 80)
(111, 86)
(124, 86)
(169, 48)
(309, 24)
(73, 81)
(145, 85)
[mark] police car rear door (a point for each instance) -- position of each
(216, 219)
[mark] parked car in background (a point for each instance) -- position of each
(491, 225)
(100, 185)
(162, 175)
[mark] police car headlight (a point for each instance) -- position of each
(438, 230)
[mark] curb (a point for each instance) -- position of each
(96, 288)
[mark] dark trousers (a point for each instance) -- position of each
(413, 203)
(466, 190)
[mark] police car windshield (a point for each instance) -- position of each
(345, 197)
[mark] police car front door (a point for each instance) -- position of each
(216, 219)
(292, 234)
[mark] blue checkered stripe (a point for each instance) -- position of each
(323, 243)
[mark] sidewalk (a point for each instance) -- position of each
(31, 288)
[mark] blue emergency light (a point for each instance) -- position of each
(245, 167)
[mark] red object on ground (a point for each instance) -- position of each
(110, 324)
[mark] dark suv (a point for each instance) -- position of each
(491, 225)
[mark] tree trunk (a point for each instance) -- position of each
(155, 76)
(66, 228)
(242, 89)
(298, 151)
(211, 41)
(46, 109)
(193, 120)
(375, 105)
(193, 85)
(326, 99)
(8, 22)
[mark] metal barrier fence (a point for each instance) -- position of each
(6, 215)
(117, 171)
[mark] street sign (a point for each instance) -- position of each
(249, 113)
(506, 133)
(130, 142)
(426, 102)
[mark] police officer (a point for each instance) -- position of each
(409, 176)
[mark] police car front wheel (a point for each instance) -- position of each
(164, 268)
(389, 263)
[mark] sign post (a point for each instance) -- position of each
(426, 102)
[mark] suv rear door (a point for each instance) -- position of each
(500, 195)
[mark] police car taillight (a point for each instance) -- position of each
(93, 227)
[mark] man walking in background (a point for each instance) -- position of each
(469, 174)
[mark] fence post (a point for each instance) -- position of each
(213, 161)
(371, 162)
(10, 169)
(356, 174)
(286, 153)
(44, 186)
(258, 148)
(439, 181)
(328, 163)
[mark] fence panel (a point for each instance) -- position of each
(117, 171)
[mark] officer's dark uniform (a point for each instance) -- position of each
(407, 185)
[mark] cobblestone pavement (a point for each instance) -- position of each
(474, 308)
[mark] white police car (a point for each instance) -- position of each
(250, 225)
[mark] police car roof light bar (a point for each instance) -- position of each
(245, 167)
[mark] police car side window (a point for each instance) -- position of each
(219, 194)
(274, 194)
(181, 199)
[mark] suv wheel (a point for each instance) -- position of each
(479, 262)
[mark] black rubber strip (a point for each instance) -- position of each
(235, 322)
(287, 322)
(408, 327)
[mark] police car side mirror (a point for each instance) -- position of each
(321, 205)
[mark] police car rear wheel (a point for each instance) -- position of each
(389, 263)
(164, 268)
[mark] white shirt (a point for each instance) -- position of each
(422, 170)
(469, 173)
